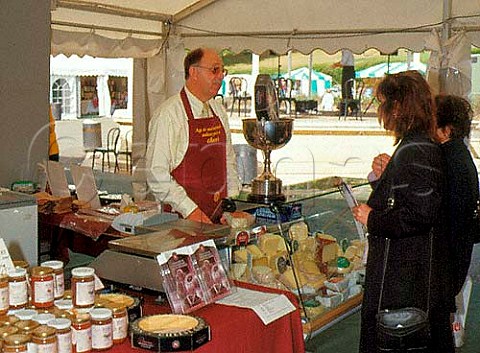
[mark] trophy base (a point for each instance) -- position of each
(266, 191)
(265, 199)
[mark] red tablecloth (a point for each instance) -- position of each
(240, 330)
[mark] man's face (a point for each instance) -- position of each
(208, 74)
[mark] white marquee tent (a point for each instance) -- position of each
(160, 30)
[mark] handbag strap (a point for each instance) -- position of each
(385, 260)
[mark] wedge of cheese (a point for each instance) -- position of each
(298, 231)
(269, 243)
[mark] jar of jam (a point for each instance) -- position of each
(4, 303)
(59, 278)
(102, 329)
(16, 343)
(119, 321)
(42, 287)
(45, 339)
(17, 288)
(64, 334)
(21, 264)
(83, 287)
(81, 333)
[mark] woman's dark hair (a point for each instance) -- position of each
(192, 58)
(456, 112)
(406, 104)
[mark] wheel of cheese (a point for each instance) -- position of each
(168, 323)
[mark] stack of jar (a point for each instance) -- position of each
(46, 320)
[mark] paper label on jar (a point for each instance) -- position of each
(64, 342)
(102, 336)
(43, 291)
(85, 293)
(120, 327)
(17, 293)
(4, 298)
(82, 340)
(46, 347)
(59, 285)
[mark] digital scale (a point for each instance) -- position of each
(132, 260)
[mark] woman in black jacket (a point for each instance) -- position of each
(406, 206)
(454, 118)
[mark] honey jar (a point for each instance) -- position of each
(42, 287)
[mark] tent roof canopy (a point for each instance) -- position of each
(279, 25)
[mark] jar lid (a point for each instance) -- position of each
(17, 272)
(55, 264)
(41, 271)
(21, 264)
(60, 323)
(44, 331)
(7, 330)
(9, 320)
(100, 313)
(83, 271)
(16, 339)
(64, 304)
(27, 325)
(81, 317)
(43, 318)
(25, 314)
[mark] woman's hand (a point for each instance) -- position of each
(361, 213)
(379, 164)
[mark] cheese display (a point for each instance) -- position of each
(317, 266)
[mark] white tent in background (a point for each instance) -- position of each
(381, 70)
(320, 81)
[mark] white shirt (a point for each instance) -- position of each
(347, 58)
(167, 144)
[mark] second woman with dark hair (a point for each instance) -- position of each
(406, 207)
(454, 118)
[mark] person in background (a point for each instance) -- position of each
(327, 101)
(190, 158)
(53, 150)
(454, 117)
(347, 63)
(407, 206)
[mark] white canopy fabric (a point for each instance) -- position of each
(278, 25)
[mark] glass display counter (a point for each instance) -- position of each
(310, 245)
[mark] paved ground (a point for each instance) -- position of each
(321, 146)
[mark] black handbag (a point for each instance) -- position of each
(406, 329)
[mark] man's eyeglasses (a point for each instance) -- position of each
(214, 70)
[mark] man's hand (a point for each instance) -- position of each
(361, 213)
(379, 164)
(198, 216)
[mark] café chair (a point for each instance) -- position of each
(239, 92)
(127, 152)
(111, 147)
(284, 90)
(352, 106)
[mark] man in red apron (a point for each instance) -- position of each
(190, 157)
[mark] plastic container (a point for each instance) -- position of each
(83, 287)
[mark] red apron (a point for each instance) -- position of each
(203, 170)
